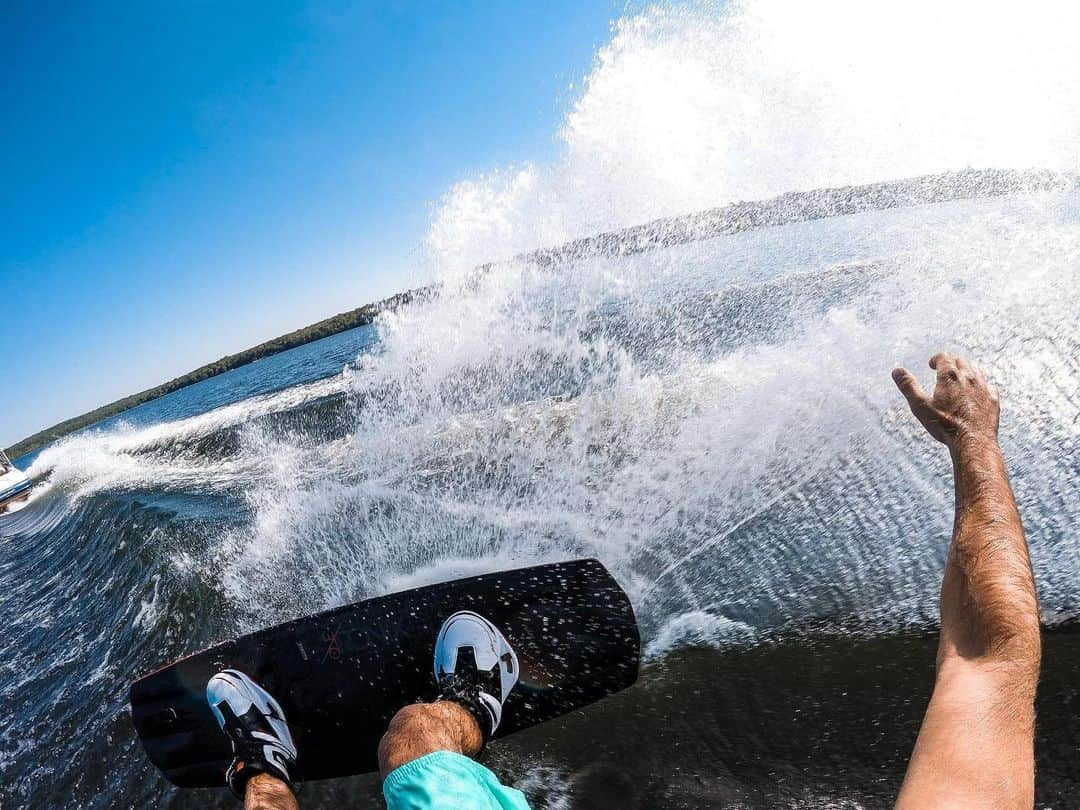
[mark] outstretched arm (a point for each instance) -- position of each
(976, 745)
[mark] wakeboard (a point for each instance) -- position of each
(341, 675)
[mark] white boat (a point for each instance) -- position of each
(14, 483)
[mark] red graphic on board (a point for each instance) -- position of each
(333, 649)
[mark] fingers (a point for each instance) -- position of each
(980, 380)
(921, 406)
(961, 398)
(907, 384)
(947, 367)
(976, 377)
(953, 368)
(912, 391)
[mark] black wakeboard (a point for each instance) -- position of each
(341, 675)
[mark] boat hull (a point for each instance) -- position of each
(13, 494)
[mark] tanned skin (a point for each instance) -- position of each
(266, 792)
(423, 728)
(415, 731)
(976, 745)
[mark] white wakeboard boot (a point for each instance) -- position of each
(255, 724)
(476, 667)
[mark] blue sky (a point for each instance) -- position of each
(183, 181)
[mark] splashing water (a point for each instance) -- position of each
(713, 418)
(715, 421)
(692, 106)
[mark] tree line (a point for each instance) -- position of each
(341, 322)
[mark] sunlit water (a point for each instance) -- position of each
(714, 420)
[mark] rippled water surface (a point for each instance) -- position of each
(712, 417)
(713, 420)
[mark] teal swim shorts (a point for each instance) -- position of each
(446, 780)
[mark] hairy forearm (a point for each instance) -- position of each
(976, 744)
(989, 608)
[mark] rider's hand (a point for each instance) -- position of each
(963, 405)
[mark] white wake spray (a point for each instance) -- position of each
(715, 421)
(693, 106)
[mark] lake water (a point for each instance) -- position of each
(714, 421)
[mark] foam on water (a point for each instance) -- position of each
(698, 627)
(674, 458)
(695, 105)
(126, 456)
(715, 421)
(761, 479)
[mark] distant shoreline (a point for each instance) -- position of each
(342, 322)
(796, 206)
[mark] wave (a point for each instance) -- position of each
(713, 419)
(694, 105)
(613, 406)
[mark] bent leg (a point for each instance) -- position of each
(424, 728)
(425, 759)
